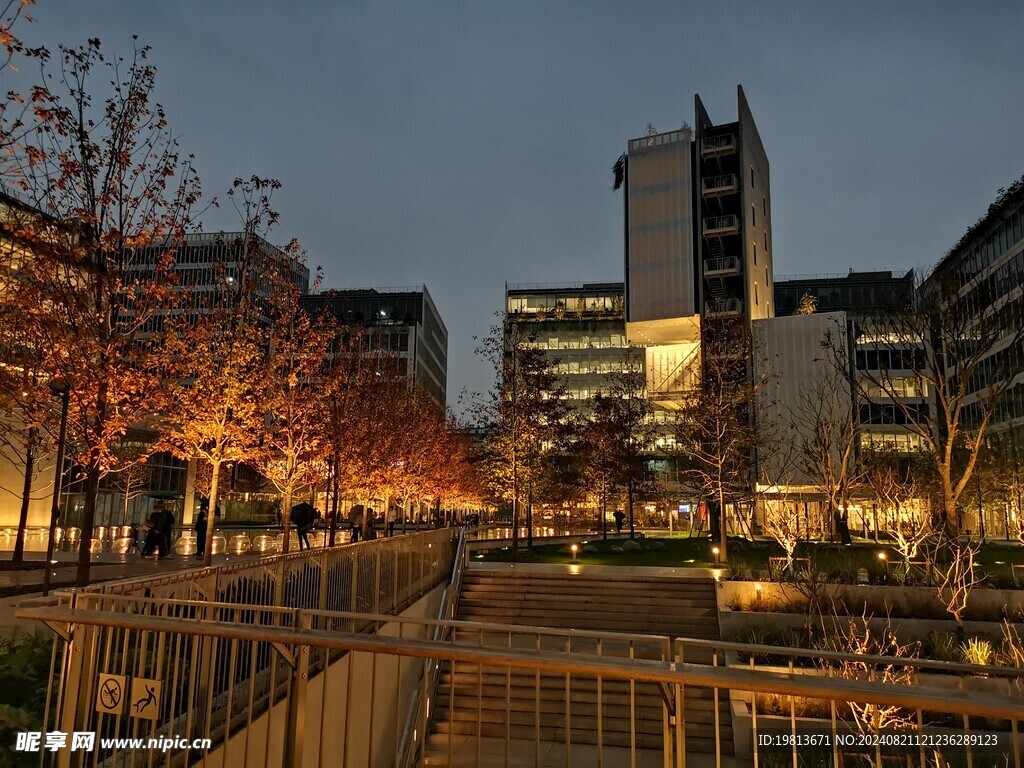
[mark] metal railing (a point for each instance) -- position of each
(292, 687)
(723, 307)
(378, 575)
(416, 717)
(723, 264)
(726, 223)
(719, 183)
(717, 143)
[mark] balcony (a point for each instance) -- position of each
(723, 308)
(712, 146)
(719, 226)
(715, 186)
(723, 267)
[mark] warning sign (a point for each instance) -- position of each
(145, 698)
(110, 695)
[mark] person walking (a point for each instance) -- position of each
(620, 518)
(303, 516)
(200, 528)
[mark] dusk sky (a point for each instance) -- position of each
(461, 145)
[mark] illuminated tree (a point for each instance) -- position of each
(519, 413)
(421, 448)
(940, 347)
(214, 404)
(294, 450)
(717, 432)
(898, 484)
(859, 638)
(132, 479)
(827, 428)
(94, 152)
(622, 437)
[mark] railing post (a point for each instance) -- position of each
(279, 579)
(204, 675)
(355, 583)
(79, 674)
(322, 597)
(376, 587)
(295, 728)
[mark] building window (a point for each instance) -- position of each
(766, 241)
(753, 246)
(753, 215)
(751, 177)
(755, 293)
(764, 206)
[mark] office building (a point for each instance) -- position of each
(403, 322)
(697, 211)
(863, 299)
(986, 270)
(580, 327)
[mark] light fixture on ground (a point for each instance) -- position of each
(574, 549)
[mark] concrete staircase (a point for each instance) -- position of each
(529, 716)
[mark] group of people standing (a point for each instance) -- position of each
(157, 532)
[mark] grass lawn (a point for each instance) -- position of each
(747, 557)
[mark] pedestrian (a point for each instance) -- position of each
(620, 518)
(166, 526)
(391, 528)
(355, 532)
(200, 528)
(151, 534)
(303, 532)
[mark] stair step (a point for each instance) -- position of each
(468, 683)
(700, 740)
(503, 704)
(582, 712)
(523, 753)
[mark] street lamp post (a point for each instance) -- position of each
(58, 388)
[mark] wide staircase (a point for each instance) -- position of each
(532, 717)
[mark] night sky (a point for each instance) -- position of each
(465, 144)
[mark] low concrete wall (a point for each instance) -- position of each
(918, 602)
(735, 624)
(486, 545)
(361, 736)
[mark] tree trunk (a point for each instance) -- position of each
(286, 521)
(366, 520)
(92, 489)
(529, 517)
(26, 496)
(211, 515)
(604, 514)
(723, 554)
(334, 504)
(515, 514)
(629, 502)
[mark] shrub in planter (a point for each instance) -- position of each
(977, 651)
(943, 646)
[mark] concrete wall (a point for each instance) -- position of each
(340, 724)
(659, 267)
(736, 599)
(12, 478)
(793, 366)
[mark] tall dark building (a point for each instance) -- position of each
(854, 293)
(735, 222)
(697, 240)
(400, 321)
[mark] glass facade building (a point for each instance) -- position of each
(403, 322)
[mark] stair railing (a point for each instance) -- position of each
(417, 719)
